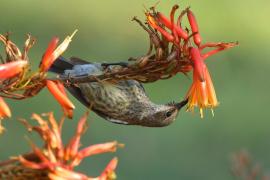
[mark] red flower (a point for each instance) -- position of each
(164, 20)
(57, 90)
(11, 69)
(48, 59)
(194, 27)
(59, 159)
(154, 24)
(53, 52)
(4, 109)
(4, 112)
(202, 92)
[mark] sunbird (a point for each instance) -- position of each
(123, 102)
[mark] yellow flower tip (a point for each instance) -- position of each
(112, 176)
(5, 111)
(212, 110)
(73, 34)
(151, 19)
(109, 171)
(201, 112)
(202, 93)
(196, 100)
(120, 145)
(2, 129)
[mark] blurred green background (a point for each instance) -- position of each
(191, 148)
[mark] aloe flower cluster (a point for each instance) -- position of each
(190, 54)
(59, 159)
(18, 81)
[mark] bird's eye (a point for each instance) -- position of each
(168, 113)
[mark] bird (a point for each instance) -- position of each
(122, 102)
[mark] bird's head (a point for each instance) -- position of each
(162, 115)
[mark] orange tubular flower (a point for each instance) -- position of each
(189, 55)
(60, 96)
(53, 52)
(164, 20)
(154, 24)
(108, 172)
(47, 59)
(59, 159)
(10, 69)
(72, 148)
(194, 27)
(4, 112)
(4, 109)
(94, 150)
(202, 92)
(68, 111)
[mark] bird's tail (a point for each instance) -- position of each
(60, 65)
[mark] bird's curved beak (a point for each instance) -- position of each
(181, 104)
